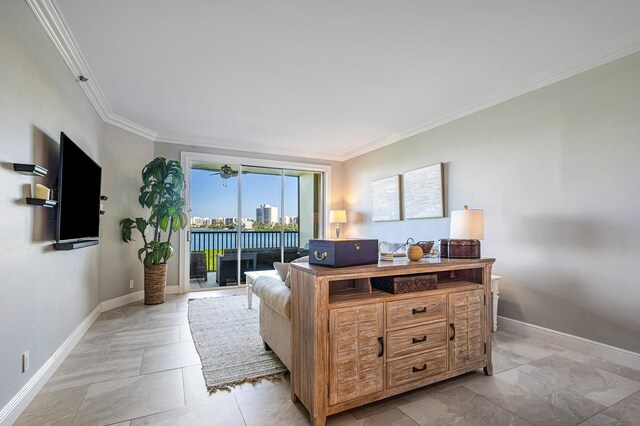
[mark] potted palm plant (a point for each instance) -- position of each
(161, 192)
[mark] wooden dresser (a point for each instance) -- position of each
(353, 344)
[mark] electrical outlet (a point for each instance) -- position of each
(25, 361)
(130, 283)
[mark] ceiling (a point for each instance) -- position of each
(323, 79)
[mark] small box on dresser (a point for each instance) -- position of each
(341, 253)
(459, 249)
(405, 283)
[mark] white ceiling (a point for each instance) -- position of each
(327, 79)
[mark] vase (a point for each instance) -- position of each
(414, 253)
(155, 281)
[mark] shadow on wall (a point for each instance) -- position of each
(46, 152)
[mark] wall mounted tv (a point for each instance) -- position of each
(79, 180)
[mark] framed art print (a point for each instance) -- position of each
(423, 192)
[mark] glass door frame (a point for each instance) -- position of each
(187, 157)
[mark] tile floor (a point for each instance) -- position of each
(137, 366)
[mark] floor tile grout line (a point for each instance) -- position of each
(500, 405)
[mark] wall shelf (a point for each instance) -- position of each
(30, 169)
(73, 245)
(41, 202)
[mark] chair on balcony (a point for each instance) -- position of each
(226, 265)
(198, 265)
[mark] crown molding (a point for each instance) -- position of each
(131, 126)
(609, 53)
(54, 24)
(248, 147)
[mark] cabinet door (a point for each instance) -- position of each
(466, 328)
(356, 352)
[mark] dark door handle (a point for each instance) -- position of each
(419, 311)
(453, 329)
(424, 367)
(423, 339)
(381, 343)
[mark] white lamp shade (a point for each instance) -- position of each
(337, 216)
(467, 224)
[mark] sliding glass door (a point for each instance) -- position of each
(245, 217)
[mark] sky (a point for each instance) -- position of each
(210, 198)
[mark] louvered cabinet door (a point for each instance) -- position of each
(356, 361)
(466, 328)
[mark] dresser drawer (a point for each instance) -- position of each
(417, 367)
(412, 340)
(416, 311)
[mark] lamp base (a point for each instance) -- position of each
(337, 232)
(459, 249)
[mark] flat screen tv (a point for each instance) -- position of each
(79, 182)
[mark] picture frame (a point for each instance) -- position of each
(385, 199)
(423, 192)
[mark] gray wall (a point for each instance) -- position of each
(173, 152)
(124, 156)
(556, 172)
(45, 294)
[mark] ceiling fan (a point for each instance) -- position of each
(226, 172)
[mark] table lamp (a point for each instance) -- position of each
(467, 228)
(337, 217)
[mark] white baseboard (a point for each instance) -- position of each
(116, 302)
(575, 343)
(10, 412)
(172, 289)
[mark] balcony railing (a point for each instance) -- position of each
(213, 242)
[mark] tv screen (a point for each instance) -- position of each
(78, 193)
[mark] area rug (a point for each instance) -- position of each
(226, 337)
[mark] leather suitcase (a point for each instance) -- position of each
(340, 253)
(459, 249)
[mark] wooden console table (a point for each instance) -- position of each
(353, 344)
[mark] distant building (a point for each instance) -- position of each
(267, 214)
(287, 220)
(230, 220)
(196, 221)
(247, 223)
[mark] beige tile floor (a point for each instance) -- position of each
(137, 366)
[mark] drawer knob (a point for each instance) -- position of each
(322, 256)
(423, 339)
(419, 311)
(356, 246)
(416, 369)
(381, 343)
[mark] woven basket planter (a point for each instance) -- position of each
(155, 280)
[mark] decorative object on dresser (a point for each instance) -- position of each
(422, 191)
(390, 250)
(161, 192)
(337, 217)
(385, 199)
(405, 283)
(340, 253)
(402, 341)
(414, 252)
(467, 229)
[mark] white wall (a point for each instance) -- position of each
(124, 156)
(556, 172)
(45, 294)
(172, 152)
